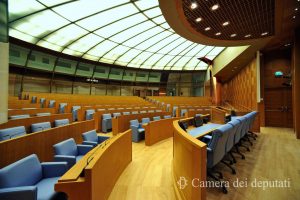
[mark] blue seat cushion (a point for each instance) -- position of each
(46, 188)
(79, 157)
(90, 136)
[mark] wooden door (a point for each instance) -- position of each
(278, 107)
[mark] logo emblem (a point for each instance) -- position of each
(182, 182)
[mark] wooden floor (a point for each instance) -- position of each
(275, 155)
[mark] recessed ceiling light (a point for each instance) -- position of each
(232, 70)
(265, 33)
(233, 35)
(288, 44)
(199, 19)
(194, 5)
(249, 35)
(218, 33)
(215, 7)
(226, 23)
(294, 17)
(207, 28)
(296, 9)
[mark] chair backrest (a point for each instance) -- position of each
(167, 116)
(158, 110)
(89, 114)
(126, 113)
(217, 145)
(24, 172)
(198, 115)
(67, 147)
(90, 136)
(174, 110)
(62, 107)
(231, 137)
(182, 112)
(33, 99)
(145, 120)
(156, 118)
(135, 112)
(168, 107)
(19, 116)
(150, 111)
(134, 122)
(43, 114)
(42, 101)
(143, 111)
(237, 130)
(116, 114)
(13, 132)
(74, 108)
(106, 116)
(61, 122)
(40, 126)
(51, 103)
(100, 109)
(243, 121)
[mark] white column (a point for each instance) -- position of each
(3, 81)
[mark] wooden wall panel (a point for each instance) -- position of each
(242, 88)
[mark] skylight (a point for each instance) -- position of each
(127, 33)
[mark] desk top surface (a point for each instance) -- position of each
(203, 130)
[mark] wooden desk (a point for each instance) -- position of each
(156, 131)
(95, 175)
(32, 120)
(122, 123)
(41, 143)
(198, 132)
(189, 161)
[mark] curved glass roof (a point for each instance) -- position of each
(121, 32)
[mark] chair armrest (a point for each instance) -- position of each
(24, 192)
(83, 149)
(102, 138)
(71, 160)
(90, 143)
(54, 169)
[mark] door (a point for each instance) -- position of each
(278, 107)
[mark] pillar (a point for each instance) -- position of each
(296, 83)
(3, 60)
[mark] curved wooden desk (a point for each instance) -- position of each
(189, 163)
(95, 175)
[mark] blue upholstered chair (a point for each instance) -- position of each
(156, 118)
(42, 102)
(89, 114)
(138, 133)
(70, 152)
(216, 150)
(174, 110)
(116, 115)
(33, 99)
(182, 112)
(91, 138)
(150, 111)
(51, 103)
(198, 115)
(135, 112)
(145, 120)
(158, 110)
(40, 126)
(167, 116)
(237, 136)
(62, 107)
(143, 111)
(168, 107)
(106, 122)
(61, 122)
(43, 114)
(126, 113)
(9, 133)
(28, 179)
(19, 116)
(75, 112)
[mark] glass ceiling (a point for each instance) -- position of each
(121, 32)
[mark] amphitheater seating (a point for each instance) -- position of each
(91, 138)
(106, 122)
(138, 133)
(40, 126)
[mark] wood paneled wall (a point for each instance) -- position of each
(242, 88)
